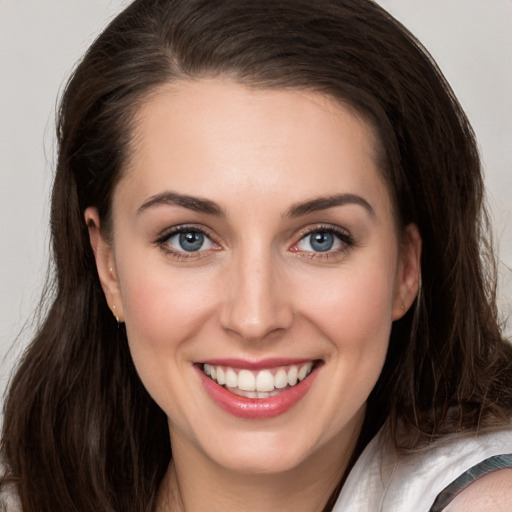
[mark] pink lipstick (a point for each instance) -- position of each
(257, 390)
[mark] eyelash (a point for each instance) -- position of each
(342, 235)
(162, 240)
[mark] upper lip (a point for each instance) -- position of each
(246, 364)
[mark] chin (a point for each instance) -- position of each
(261, 464)
(266, 453)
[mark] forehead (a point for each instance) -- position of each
(219, 138)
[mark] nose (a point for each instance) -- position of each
(256, 304)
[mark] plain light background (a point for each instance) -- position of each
(40, 41)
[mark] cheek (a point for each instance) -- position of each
(351, 311)
(353, 307)
(163, 308)
(358, 323)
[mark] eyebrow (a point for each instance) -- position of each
(210, 207)
(323, 203)
(196, 204)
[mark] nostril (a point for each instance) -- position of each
(254, 333)
(253, 323)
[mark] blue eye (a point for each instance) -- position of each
(321, 241)
(189, 240)
(324, 240)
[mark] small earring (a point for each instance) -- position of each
(115, 314)
(402, 307)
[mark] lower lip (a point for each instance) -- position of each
(257, 408)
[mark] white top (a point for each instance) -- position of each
(9, 501)
(382, 481)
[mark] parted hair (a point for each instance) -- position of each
(80, 432)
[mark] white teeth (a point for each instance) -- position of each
(281, 379)
(260, 384)
(304, 371)
(264, 381)
(293, 372)
(246, 381)
(247, 394)
(231, 378)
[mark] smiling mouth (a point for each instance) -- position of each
(261, 384)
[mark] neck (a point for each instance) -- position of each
(194, 483)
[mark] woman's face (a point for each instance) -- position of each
(254, 240)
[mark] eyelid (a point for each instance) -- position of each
(330, 228)
(342, 234)
(184, 228)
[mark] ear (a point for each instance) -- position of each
(408, 276)
(105, 263)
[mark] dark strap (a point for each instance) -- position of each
(457, 486)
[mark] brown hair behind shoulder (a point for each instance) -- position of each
(80, 432)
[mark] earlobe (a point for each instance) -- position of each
(105, 263)
(409, 271)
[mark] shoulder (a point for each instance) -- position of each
(430, 479)
(490, 493)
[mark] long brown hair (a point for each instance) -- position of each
(80, 432)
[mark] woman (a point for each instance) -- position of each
(267, 221)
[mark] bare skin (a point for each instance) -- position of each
(491, 493)
(260, 179)
(190, 484)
